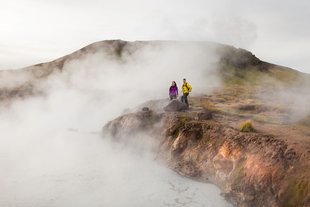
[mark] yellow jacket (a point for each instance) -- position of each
(186, 87)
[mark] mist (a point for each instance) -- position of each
(53, 152)
(292, 102)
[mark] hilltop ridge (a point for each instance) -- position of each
(234, 65)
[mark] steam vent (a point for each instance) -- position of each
(246, 130)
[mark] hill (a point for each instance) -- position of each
(249, 134)
(233, 65)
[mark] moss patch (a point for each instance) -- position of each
(202, 102)
(296, 194)
(247, 126)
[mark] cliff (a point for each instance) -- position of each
(252, 168)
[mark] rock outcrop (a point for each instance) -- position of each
(142, 121)
(252, 169)
(175, 105)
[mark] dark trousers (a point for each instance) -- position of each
(172, 96)
(184, 98)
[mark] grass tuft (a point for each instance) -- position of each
(247, 126)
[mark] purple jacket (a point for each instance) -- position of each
(173, 90)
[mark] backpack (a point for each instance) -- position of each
(188, 88)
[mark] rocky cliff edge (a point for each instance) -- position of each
(251, 168)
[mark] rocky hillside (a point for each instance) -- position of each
(252, 166)
(262, 162)
(234, 65)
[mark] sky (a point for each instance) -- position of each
(33, 31)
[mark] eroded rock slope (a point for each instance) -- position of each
(252, 168)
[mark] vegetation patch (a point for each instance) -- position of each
(296, 193)
(247, 126)
(202, 102)
(247, 107)
(238, 173)
(285, 75)
(242, 76)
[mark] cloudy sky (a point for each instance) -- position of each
(33, 31)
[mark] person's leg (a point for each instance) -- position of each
(185, 99)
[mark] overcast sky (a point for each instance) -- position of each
(34, 31)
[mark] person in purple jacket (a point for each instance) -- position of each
(173, 91)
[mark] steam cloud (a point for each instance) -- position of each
(293, 100)
(52, 153)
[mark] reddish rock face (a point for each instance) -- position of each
(252, 169)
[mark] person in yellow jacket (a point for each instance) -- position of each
(186, 88)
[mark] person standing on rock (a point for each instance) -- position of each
(186, 88)
(173, 90)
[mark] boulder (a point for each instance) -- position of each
(175, 105)
(146, 113)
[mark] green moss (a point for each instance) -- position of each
(238, 173)
(286, 75)
(296, 194)
(201, 102)
(184, 119)
(242, 76)
(253, 75)
(247, 126)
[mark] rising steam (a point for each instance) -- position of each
(51, 151)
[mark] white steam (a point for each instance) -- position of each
(293, 102)
(52, 152)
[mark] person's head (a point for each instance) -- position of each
(184, 80)
(173, 83)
